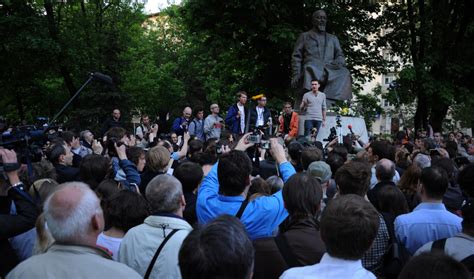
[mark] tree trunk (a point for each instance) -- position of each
(421, 114)
(54, 33)
(438, 114)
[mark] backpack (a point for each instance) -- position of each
(396, 256)
(439, 245)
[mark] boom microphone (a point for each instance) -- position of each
(102, 77)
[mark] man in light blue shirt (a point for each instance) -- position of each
(224, 191)
(430, 220)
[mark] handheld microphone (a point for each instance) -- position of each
(350, 128)
(102, 77)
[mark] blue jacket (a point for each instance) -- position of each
(177, 125)
(261, 216)
(126, 173)
(232, 121)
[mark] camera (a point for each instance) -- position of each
(255, 137)
(218, 149)
(332, 134)
(338, 121)
(265, 144)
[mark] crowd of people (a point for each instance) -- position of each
(235, 197)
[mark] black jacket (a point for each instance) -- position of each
(372, 194)
(66, 174)
(12, 225)
(304, 242)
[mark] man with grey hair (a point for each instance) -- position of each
(75, 219)
(384, 171)
(422, 160)
(152, 247)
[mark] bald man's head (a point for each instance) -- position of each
(73, 214)
(384, 169)
(187, 112)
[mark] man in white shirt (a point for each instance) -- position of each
(344, 218)
(237, 115)
(260, 115)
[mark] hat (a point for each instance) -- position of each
(320, 170)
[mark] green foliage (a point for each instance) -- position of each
(367, 106)
(435, 41)
(206, 50)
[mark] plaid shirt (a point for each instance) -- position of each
(373, 259)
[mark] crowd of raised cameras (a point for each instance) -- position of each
(240, 195)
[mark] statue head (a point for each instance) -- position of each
(319, 20)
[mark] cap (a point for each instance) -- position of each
(320, 170)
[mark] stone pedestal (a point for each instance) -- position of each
(358, 126)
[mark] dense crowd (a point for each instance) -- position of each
(211, 199)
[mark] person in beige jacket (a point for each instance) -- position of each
(75, 219)
(143, 242)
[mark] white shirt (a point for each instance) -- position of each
(331, 268)
(111, 243)
(242, 117)
(260, 121)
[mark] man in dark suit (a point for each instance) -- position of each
(61, 156)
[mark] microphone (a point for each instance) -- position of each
(350, 128)
(102, 77)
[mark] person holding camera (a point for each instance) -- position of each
(125, 171)
(181, 124)
(142, 131)
(213, 123)
(26, 211)
(314, 104)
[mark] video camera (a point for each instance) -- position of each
(332, 134)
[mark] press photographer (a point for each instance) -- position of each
(12, 191)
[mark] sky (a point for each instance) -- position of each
(154, 6)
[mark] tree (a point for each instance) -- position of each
(436, 50)
(250, 42)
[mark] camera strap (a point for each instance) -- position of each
(155, 257)
(242, 207)
(8, 167)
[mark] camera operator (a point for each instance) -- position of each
(60, 155)
(143, 130)
(12, 225)
(78, 150)
(125, 170)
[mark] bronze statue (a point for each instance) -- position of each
(318, 55)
